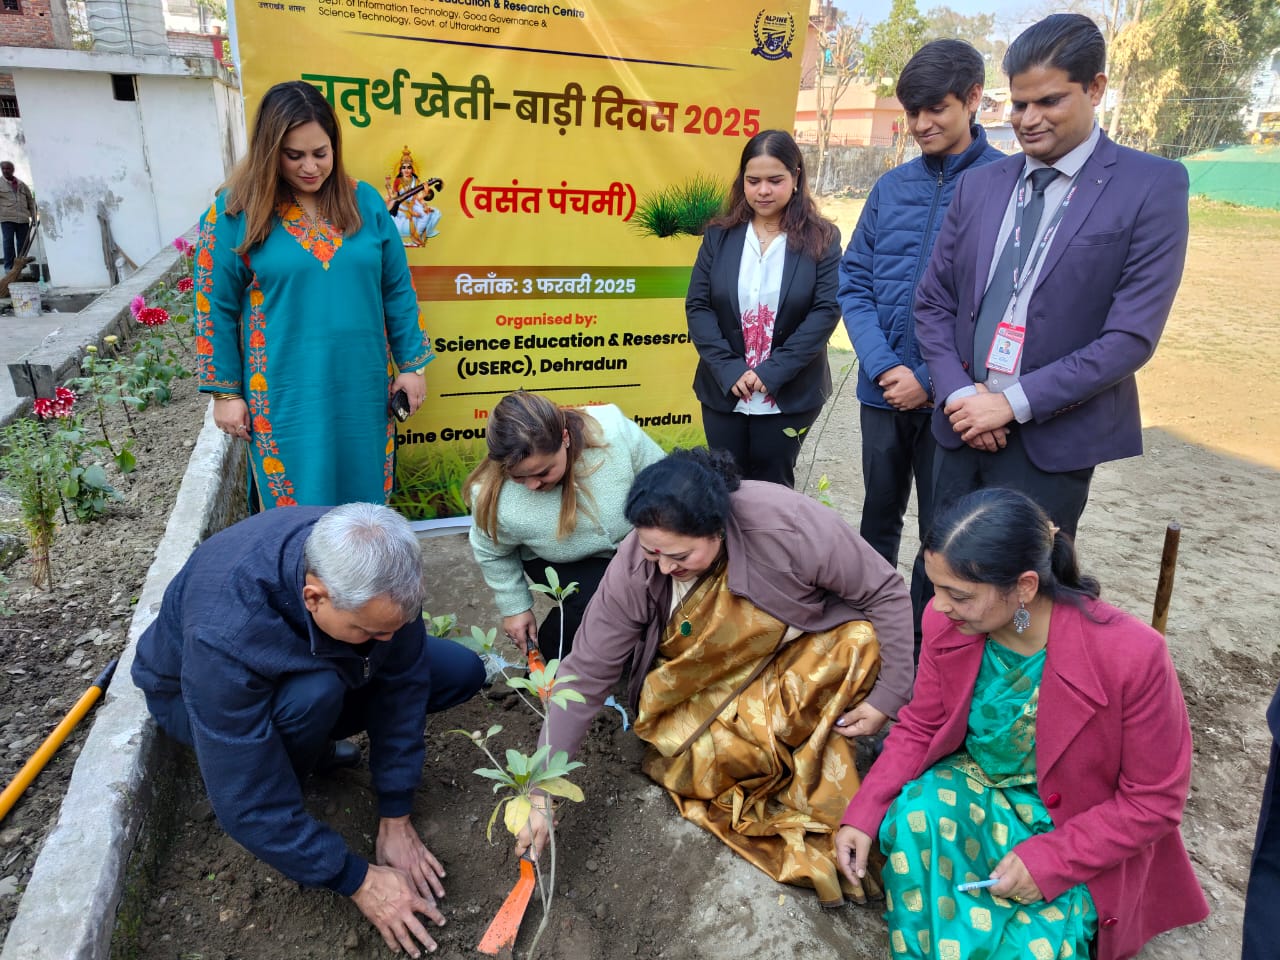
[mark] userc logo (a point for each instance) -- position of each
(774, 33)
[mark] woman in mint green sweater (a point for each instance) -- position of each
(550, 493)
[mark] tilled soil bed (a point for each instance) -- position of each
(55, 642)
(634, 880)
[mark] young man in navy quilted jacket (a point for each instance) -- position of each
(940, 89)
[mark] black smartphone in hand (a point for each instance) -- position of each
(399, 405)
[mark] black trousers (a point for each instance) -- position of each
(14, 236)
(1262, 896)
(586, 573)
(765, 447)
(1062, 495)
(897, 448)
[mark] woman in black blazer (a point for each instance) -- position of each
(761, 307)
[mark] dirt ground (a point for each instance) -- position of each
(635, 881)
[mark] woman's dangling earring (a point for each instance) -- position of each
(1021, 618)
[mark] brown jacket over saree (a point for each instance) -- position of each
(789, 555)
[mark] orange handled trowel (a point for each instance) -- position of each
(501, 934)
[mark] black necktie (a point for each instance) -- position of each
(999, 292)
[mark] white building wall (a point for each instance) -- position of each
(154, 163)
(84, 150)
(13, 147)
(186, 158)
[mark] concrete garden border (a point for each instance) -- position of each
(68, 910)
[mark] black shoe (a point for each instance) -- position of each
(339, 755)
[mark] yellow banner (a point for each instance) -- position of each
(549, 168)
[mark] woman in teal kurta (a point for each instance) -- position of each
(305, 312)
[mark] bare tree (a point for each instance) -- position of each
(839, 48)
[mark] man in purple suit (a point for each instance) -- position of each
(1049, 286)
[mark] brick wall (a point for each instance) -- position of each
(32, 27)
(196, 44)
(6, 85)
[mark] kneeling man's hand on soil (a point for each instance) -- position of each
(387, 898)
(404, 882)
(399, 846)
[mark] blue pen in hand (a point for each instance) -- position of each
(977, 884)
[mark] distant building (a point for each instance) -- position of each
(1263, 120)
(861, 118)
(89, 104)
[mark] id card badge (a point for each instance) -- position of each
(1006, 348)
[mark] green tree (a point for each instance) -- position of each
(891, 44)
(944, 23)
(839, 62)
(1183, 71)
(887, 50)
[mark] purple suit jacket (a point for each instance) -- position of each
(1095, 315)
(1113, 761)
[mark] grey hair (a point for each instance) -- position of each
(360, 551)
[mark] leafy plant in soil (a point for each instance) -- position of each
(28, 466)
(103, 379)
(525, 780)
(50, 467)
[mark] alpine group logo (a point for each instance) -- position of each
(774, 34)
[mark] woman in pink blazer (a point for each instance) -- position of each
(1046, 751)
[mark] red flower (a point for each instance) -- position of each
(186, 284)
(59, 405)
(153, 316)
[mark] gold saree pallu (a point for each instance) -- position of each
(740, 725)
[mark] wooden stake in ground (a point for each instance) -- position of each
(1164, 586)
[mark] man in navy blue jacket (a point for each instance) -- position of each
(940, 89)
(280, 634)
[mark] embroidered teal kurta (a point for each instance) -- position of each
(306, 327)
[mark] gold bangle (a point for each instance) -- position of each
(227, 396)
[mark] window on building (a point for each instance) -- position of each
(124, 86)
(8, 106)
(10, 6)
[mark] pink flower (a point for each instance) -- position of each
(186, 284)
(136, 305)
(183, 246)
(152, 316)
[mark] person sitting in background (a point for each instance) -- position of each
(280, 636)
(1046, 747)
(762, 635)
(550, 493)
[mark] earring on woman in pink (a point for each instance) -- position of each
(1021, 618)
